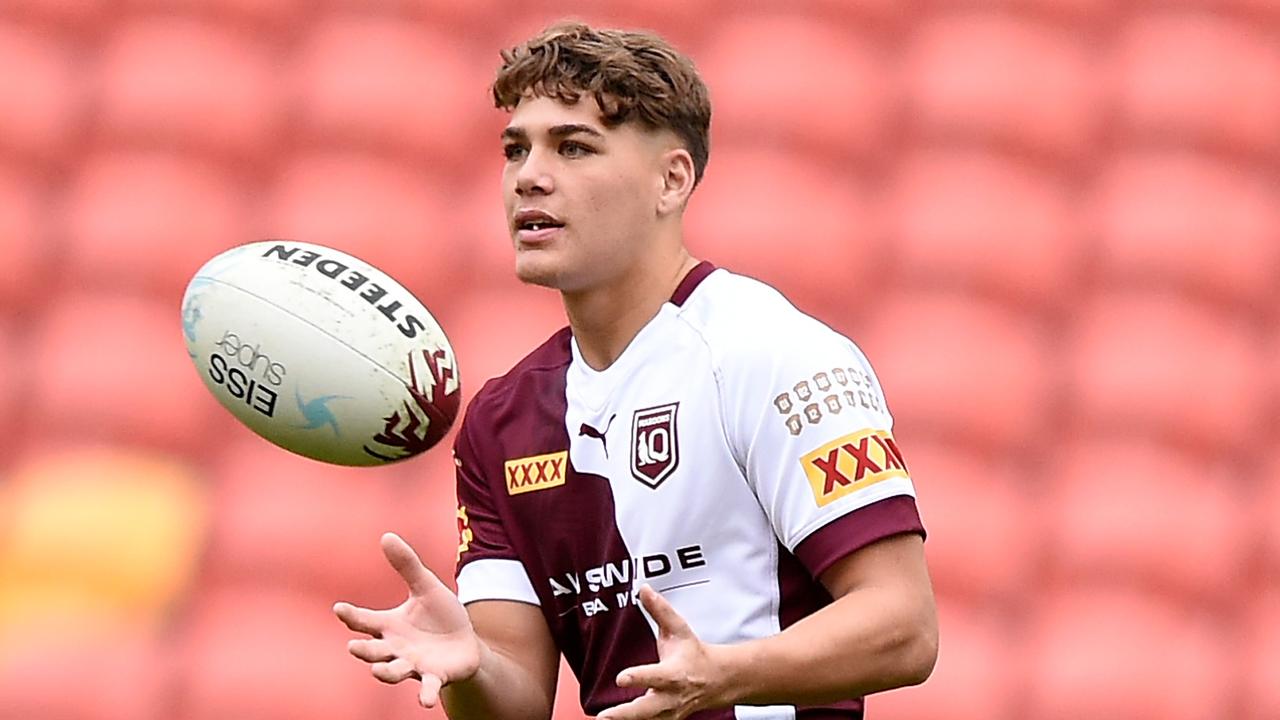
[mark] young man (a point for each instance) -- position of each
(692, 492)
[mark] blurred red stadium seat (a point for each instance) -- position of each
(491, 331)
(981, 222)
(285, 521)
(266, 654)
(1160, 364)
(120, 673)
(1266, 505)
(482, 228)
(389, 214)
(191, 84)
(1112, 655)
(983, 529)
(45, 92)
(275, 15)
(426, 512)
(468, 22)
(1084, 12)
(998, 77)
(378, 81)
(568, 706)
(679, 22)
(147, 221)
(1189, 222)
(807, 231)
(115, 368)
(779, 79)
(857, 14)
(1261, 629)
(26, 250)
(978, 675)
(1132, 513)
(68, 14)
(13, 367)
(958, 368)
(1200, 76)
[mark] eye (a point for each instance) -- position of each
(512, 151)
(570, 148)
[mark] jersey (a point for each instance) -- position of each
(734, 451)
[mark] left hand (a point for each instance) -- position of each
(686, 677)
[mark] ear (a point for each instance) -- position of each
(676, 165)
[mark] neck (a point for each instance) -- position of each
(605, 319)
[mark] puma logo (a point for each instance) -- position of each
(591, 432)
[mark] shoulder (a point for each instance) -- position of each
(746, 322)
(538, 373)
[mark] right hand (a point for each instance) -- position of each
(428, 637)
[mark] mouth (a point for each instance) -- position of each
(535, 226)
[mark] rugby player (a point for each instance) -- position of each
(692, 492)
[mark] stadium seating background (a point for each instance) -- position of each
(1054, 226)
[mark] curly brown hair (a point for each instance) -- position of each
(633, 75)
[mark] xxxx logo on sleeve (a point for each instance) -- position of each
(538, 472)
(851, 463)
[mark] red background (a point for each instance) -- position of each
(1053, 225)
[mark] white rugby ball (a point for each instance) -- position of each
(321, 353)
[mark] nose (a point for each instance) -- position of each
(533, 176)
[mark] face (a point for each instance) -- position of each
(581, 199)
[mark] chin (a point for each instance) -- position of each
(541, 271)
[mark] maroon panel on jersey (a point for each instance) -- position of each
(557, 530)
(877, 521)
(487, 538)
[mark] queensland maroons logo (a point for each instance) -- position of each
(655, 447)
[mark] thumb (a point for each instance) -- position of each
(429, 694)
(670, 624)
(407, 563)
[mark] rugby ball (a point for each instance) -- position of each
(321, 353)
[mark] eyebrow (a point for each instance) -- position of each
(555, 131)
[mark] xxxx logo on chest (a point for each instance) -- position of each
(538, 472)
(851, 463)
(655, 447)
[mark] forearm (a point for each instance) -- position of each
(862, 643)
(500, 690)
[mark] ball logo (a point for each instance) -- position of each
(251, 358)
(655, 446)
(357, 282)
(246, 372)
(428, 413)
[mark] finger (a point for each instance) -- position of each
(371, 651)
(669, 621)
(649, 705)
(393, 672)
(655, 676)
(406, 562)
(430, 693)
(358, 619)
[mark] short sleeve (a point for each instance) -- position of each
(488, 566)
(807, 421)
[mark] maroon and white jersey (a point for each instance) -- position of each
(734, 451)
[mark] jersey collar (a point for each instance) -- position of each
(691, 282)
